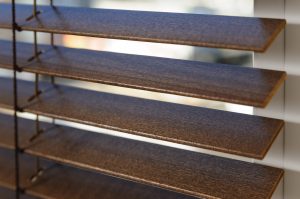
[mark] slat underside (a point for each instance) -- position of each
(9, 194)
(77, 184)
(244, 33)
(247, 86)
(26, 127)
(178, 170)
(234, 133)
(7, 169)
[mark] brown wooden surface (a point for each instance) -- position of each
(243, 33)
(26, 129)
(7, 169)
(234, 84)
(165, 167)
(234, 133)
(10, 194)
(7, 194)
(62, 182)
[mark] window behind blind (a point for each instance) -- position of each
(55, 161)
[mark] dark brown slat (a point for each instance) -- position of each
(240, 134)
(248, 86)
(62, 182)
(78, 184)
(26, 129)
(178, 170)
(183, 171)
(9, 194)
(7, 169)
(243, 33)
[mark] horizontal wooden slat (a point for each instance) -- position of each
(9, 194)
(248, 86)
(178, 170)
(65, 182)
(7, 169)
(243, 33)
(240, 134)
(7, 172)
(26, 129)
(62, 182)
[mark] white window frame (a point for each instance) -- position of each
(284, 54)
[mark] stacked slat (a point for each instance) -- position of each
(9, 194)
(245, 135)
(254, 87)
(243, 33)
(76, 183)
(177, 170)
(88, 158)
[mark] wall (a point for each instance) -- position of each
(292, 100)
(284, 54)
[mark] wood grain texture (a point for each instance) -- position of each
(234, 84)
(177, 170)
(243, 33)
(62, 182)
(234, 133)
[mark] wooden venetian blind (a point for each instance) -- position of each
(54, 161)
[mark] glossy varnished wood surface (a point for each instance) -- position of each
(234, 133)
(234, 84)
(243, 33)
(177, 170)
(62, 182)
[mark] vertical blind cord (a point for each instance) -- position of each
(37, 92)
(16, 128)
(53, 45)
